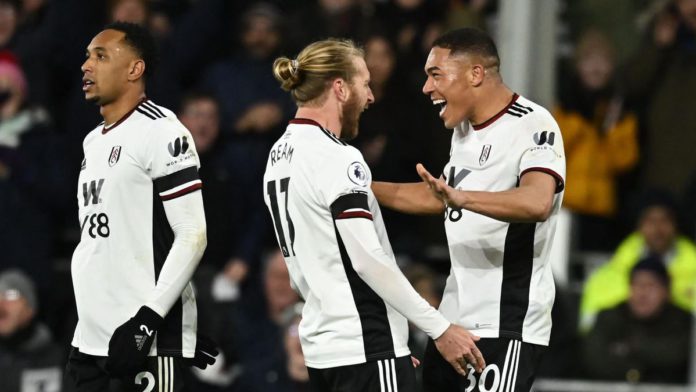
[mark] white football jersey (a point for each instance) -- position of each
(309, 182)
(128, 169)
(500, 283)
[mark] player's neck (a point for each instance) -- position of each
(324, 116)
(115, 110)
(491, 102)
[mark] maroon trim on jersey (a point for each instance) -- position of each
(559, 180)
(354, 214)
(122, 119)
(478, 127)
(305, 121)
(182, 192)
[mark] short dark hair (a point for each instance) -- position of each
(141, 40)
(469, 40)
(653, 264)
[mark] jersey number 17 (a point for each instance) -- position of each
(273, 194)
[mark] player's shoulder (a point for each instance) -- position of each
(93, 134)
(160, 121)
(531, 117)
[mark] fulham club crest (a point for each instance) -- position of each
(115, 155)
(485, 153)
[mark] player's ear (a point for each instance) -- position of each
(477, 74)
(340, 88)
(137, 70)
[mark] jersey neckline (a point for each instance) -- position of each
(106, 129)
(478, 127)
(309, 121)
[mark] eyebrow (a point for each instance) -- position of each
(432, 69)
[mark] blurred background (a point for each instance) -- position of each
(619, 77)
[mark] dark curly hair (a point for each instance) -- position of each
(141, 40)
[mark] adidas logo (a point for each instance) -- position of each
(140, 341)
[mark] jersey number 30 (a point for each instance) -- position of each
(273, 194)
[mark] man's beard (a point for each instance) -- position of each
(350, 117)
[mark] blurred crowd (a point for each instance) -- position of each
(627, 69)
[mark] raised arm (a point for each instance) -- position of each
(532, 201)
(410, 198)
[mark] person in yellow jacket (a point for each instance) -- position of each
(657, 235)
(600, 134)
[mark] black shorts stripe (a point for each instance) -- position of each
(152, 106)
(517, 363)
(170, 334)
(356, 200)
(517, 275)
(367, 376)
(376, 331)
(176, 179)
(143, 112)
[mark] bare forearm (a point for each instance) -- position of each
(409, 198)
(516, 205)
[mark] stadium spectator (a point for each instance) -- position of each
(236, 219)
(645, 338)
(297, 370)
(601, 140)
(656, 234)
(662, 76)
(29, 358)
(133, 11)
(251, 102)
(33, 179)
(326, 18)
(253, 340)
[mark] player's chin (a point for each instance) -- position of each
(92, 98)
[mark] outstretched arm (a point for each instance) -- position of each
(532, 201)
(379, 271)
(410, 198)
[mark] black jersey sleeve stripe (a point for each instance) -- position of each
(513, 113)
(149, 109)
(517, 105)
(349, 201)
(176, 179)
(152, 106)
(143, 112)
(518, 110)
(560, 184)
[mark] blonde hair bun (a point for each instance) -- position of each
(287, 72)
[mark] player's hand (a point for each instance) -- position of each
(131, 342)
(450, 196)
(458, 347)
(206, 351)
(415, 361)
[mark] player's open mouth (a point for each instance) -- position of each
(86, 84)
(442, 103)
